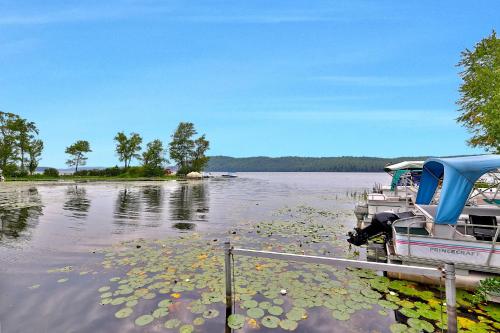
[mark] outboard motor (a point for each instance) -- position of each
(381, 224)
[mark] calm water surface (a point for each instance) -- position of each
(55, 225)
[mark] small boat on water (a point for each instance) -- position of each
(399, 196)
(457, 224)
(229, 175)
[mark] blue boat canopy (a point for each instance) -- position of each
(459, 175)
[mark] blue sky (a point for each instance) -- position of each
(307, 78)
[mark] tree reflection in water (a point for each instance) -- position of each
(77, 203)
(152, 196)
(189, 202)
(19, 211)
(128, 205)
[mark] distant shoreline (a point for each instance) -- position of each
(303, 164)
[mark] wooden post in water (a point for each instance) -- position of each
(228, 269)
(451, 300)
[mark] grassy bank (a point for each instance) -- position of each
(124, 177)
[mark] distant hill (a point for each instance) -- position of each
(67, 170)
(41, 169)
(304, 164)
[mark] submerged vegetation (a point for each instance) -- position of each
(177, 284)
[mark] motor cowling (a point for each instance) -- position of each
(380, 225)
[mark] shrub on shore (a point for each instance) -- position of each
(51, 172)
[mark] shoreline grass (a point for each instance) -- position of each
(124, 177)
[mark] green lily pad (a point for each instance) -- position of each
(265, 305)
(278, 301)
(186, 329)
(340, 315)
(371, 293)
(165, 303)
(275, 310)
(198, 321)
(160, 312)
(210, 313)
(149, 296)
(407, 304)
(103, 289)
(144, 320)
(288, 325)
(123, 313)
(392, 298)
(236, 321)
(296, 314)
(399, 328)
(118, 301)
(172, 323)
(255, 313)
(270, 321)
(131, 303)
(105, 301)
(250, 304)
(409, 313)
(430, 314)
(106, 295)
(421, 325)
(198, 308)
(388, 305)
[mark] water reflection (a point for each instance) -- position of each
(189, 202)
(183, 225)
(18, 211)
(77, 203)
(153, 198)
(128, 204)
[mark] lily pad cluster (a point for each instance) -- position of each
(178, 283)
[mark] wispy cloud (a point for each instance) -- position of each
(385, 81)
(182, 12)
(263, 19)
(83, 13)
(17, 46)
(415, 117)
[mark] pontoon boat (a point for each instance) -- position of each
(461, 228)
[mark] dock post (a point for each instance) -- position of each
(451, 300)
(228, 269)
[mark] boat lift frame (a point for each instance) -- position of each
(447, 272)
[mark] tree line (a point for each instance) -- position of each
(303, 164)
(188, 153)
(20, 147)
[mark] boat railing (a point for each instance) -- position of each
(493, 186)
(465, 236)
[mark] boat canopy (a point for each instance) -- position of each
(459, 175)
(405, 165)
(397, 180)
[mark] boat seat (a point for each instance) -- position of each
(483, 233)
(404, 215)
(413, 231)
(448, 232)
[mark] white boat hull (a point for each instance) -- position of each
(447, 250)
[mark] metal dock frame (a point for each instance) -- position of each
(448, 273)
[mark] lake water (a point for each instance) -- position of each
(73, 255)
